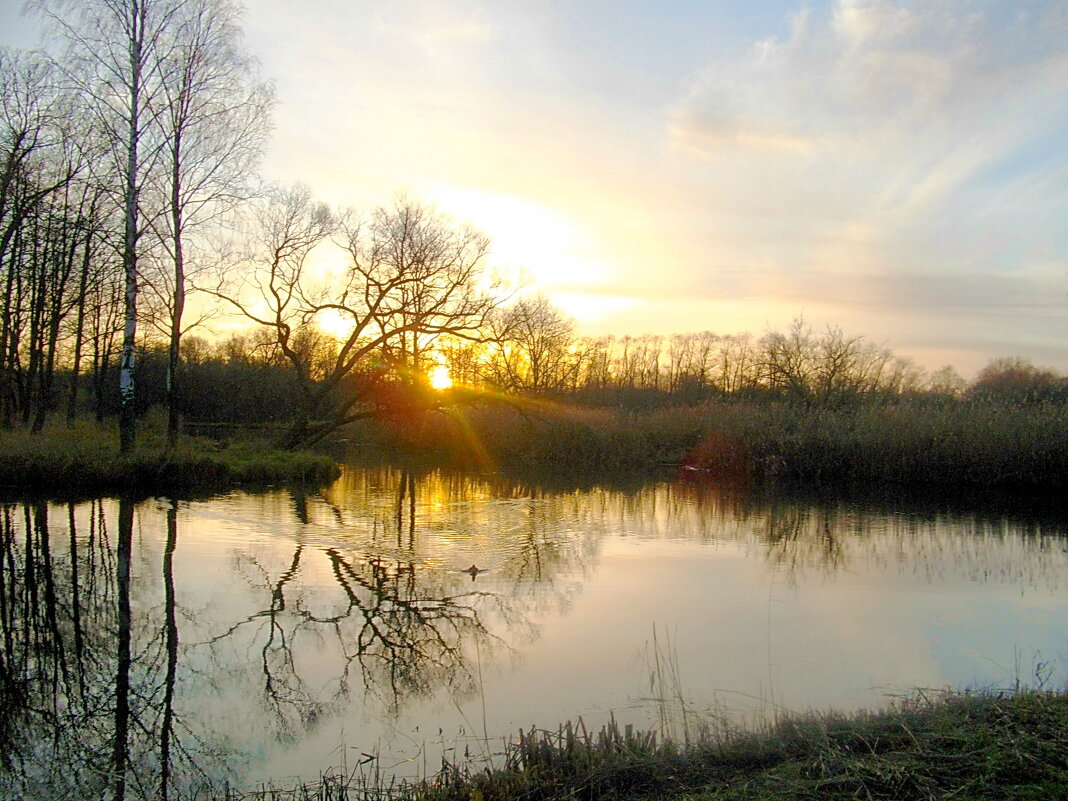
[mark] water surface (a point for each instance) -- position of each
(276, 635)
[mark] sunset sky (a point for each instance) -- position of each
(896, 168)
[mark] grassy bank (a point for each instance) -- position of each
(955, 444)
(960, 746)
(85, 458)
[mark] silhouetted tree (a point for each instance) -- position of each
(536, 347)
(212, 123)
(1015, 379)
(412, 276)
(118, 55)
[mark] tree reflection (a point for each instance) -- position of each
(58, 643)
(170, 628)
(80, 677)
(401, 631)
(120, 751)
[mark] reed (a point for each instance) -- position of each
(962, 445)
(957, 444)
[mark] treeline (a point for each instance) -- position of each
(62, 291)
(536, 349)
(245, 378)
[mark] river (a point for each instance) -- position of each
(400, 617)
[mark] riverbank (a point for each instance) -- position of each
(955, 745)
(85, 458)
(908, 444)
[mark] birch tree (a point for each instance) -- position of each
(212, 119)
(117, 53)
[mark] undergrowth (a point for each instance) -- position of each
(975, 445)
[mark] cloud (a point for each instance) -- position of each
(874, 74)
(889, 107)
(889, 155)
(888, 166)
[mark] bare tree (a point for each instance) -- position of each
(596, 362)
(418, 272)
(412, 276)
(637, 362)
(690, 360)
(536, 346)
(212, 118)
(34, 145)
(117, 56)
(788, 360)
(947, 382)
(735, 366)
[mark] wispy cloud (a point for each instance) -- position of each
(892, 152)
(874, 76)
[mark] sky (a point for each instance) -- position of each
(895, 168)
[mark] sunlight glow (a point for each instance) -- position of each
(550, 248)
(440, 378)
(334, 324)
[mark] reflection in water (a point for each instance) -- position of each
(376, 610)
(120, 751)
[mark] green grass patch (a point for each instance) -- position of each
(85, 458)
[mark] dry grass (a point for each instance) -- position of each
(951, 745)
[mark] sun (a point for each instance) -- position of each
(440, 378)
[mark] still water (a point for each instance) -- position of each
(399, 617)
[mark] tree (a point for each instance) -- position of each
(412, 276)
(536, 346)
(36, 162)
(690, 360)
(788, 360)
(421, 271)
(212, 121)
(118, 54)
(947, 382)
(736, 364)
(1014, 379)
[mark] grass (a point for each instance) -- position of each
(932, 746)
(955, 445)
(85, 458)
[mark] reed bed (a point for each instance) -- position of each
(955, 444)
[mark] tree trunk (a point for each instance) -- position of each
(75, 372)
(298, 432)
(127, 420)
(174, 351)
